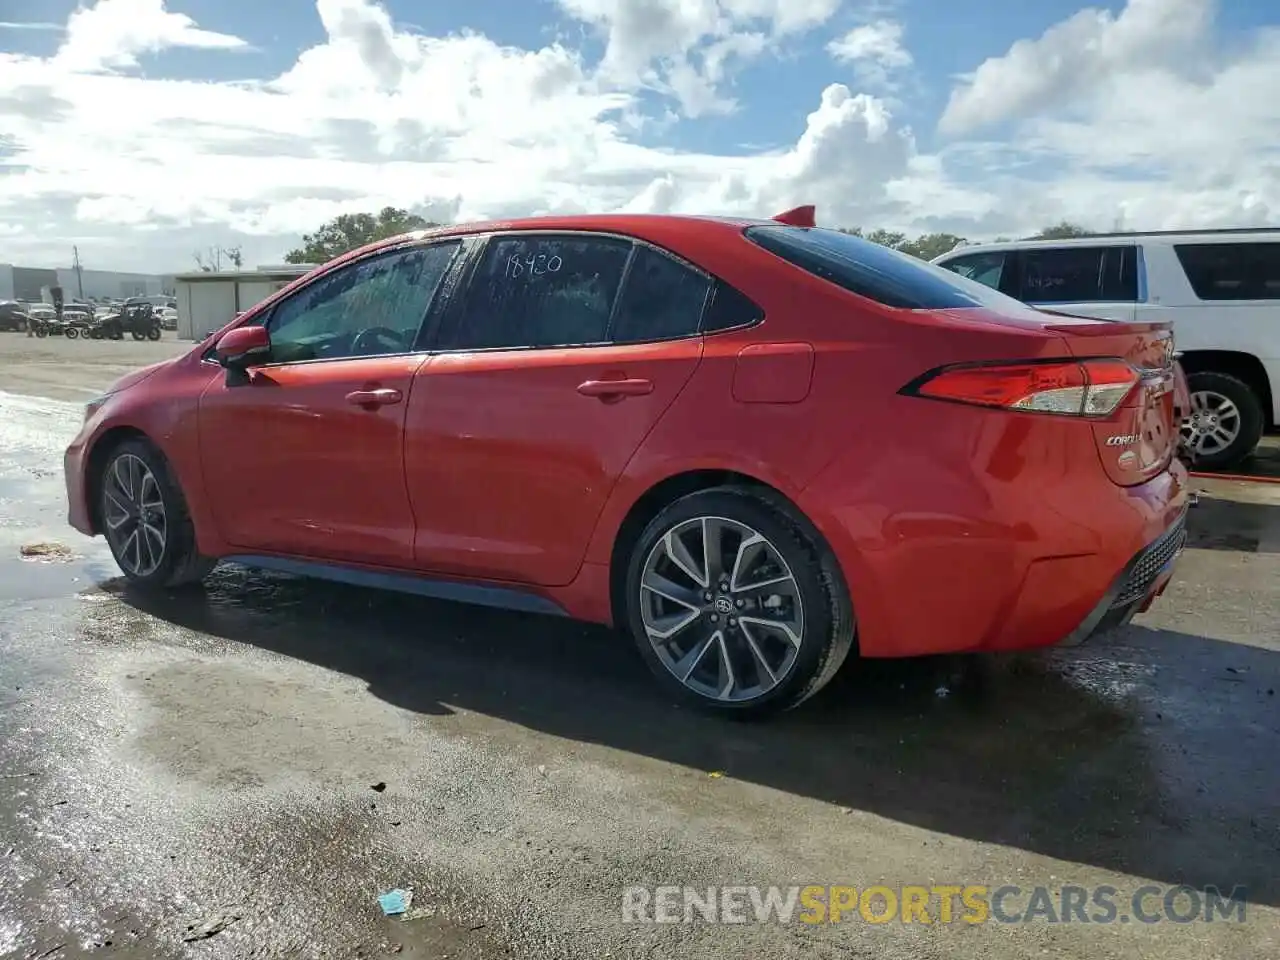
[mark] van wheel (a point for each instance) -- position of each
(145, 519)
(734, 607)
(1225, 423)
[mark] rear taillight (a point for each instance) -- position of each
(1081, 388)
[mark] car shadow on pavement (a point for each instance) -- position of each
(1152, 755)
(1218, 523)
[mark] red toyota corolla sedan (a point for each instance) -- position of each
(754, 446)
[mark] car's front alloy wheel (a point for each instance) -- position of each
(133, 516)
(144, 516)
(735, 608)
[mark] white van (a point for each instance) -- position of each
(1221, 289)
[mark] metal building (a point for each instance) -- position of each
(32, 283)
(209, 300)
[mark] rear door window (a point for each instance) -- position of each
(540, 290)
(1232, 271)
(662, 299)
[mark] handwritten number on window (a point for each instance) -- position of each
(531, 266)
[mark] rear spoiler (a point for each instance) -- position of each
(798, 216)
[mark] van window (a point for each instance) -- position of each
(1079, 274)
(986, 268)
(1232, 271)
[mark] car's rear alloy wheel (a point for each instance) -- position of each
(734, 607)
(145, 520)
(721, 608)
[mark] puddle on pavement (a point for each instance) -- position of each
(27, 580)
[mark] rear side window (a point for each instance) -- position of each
(541, 291)
(661, 299)
(729, 307)
(1232, 271)
(876, 272)
(1079, 274)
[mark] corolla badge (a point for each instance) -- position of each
(1123, 441)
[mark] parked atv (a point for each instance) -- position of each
(76, 325)
(138, 318)
(110, 327)
(76, 319)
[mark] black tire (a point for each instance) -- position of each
(153, 334)
(181, 563)
(42, 331)
(71, 333)
(828, 635)
(1252, 417)
(137, 334)
(117, 334)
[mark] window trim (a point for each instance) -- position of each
(468, 272)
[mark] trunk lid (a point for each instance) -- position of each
(1140, 439)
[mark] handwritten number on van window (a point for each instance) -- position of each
(531, 266)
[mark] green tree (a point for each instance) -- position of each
(887, 238)
(926, 246)
(931, 245)
(351, 230)
(1064, 230)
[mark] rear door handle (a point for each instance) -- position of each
(615, 389)
(372, 399)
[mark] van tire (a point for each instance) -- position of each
(1251, 418)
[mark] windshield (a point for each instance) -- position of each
(878, 272)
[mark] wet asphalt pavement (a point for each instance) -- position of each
(204, 765)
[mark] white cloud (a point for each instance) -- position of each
(1089, 52)
(875, 50)
(28, 25)
(1149, 121)
(140, 169)
(112, 33)
(683, 47)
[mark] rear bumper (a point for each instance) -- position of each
(1139, 584)
(973, 561)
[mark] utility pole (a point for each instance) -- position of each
(75, 254)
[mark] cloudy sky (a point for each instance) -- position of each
(144, 130)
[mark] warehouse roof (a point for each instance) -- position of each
(262, 273)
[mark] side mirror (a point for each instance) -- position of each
(243, 347)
